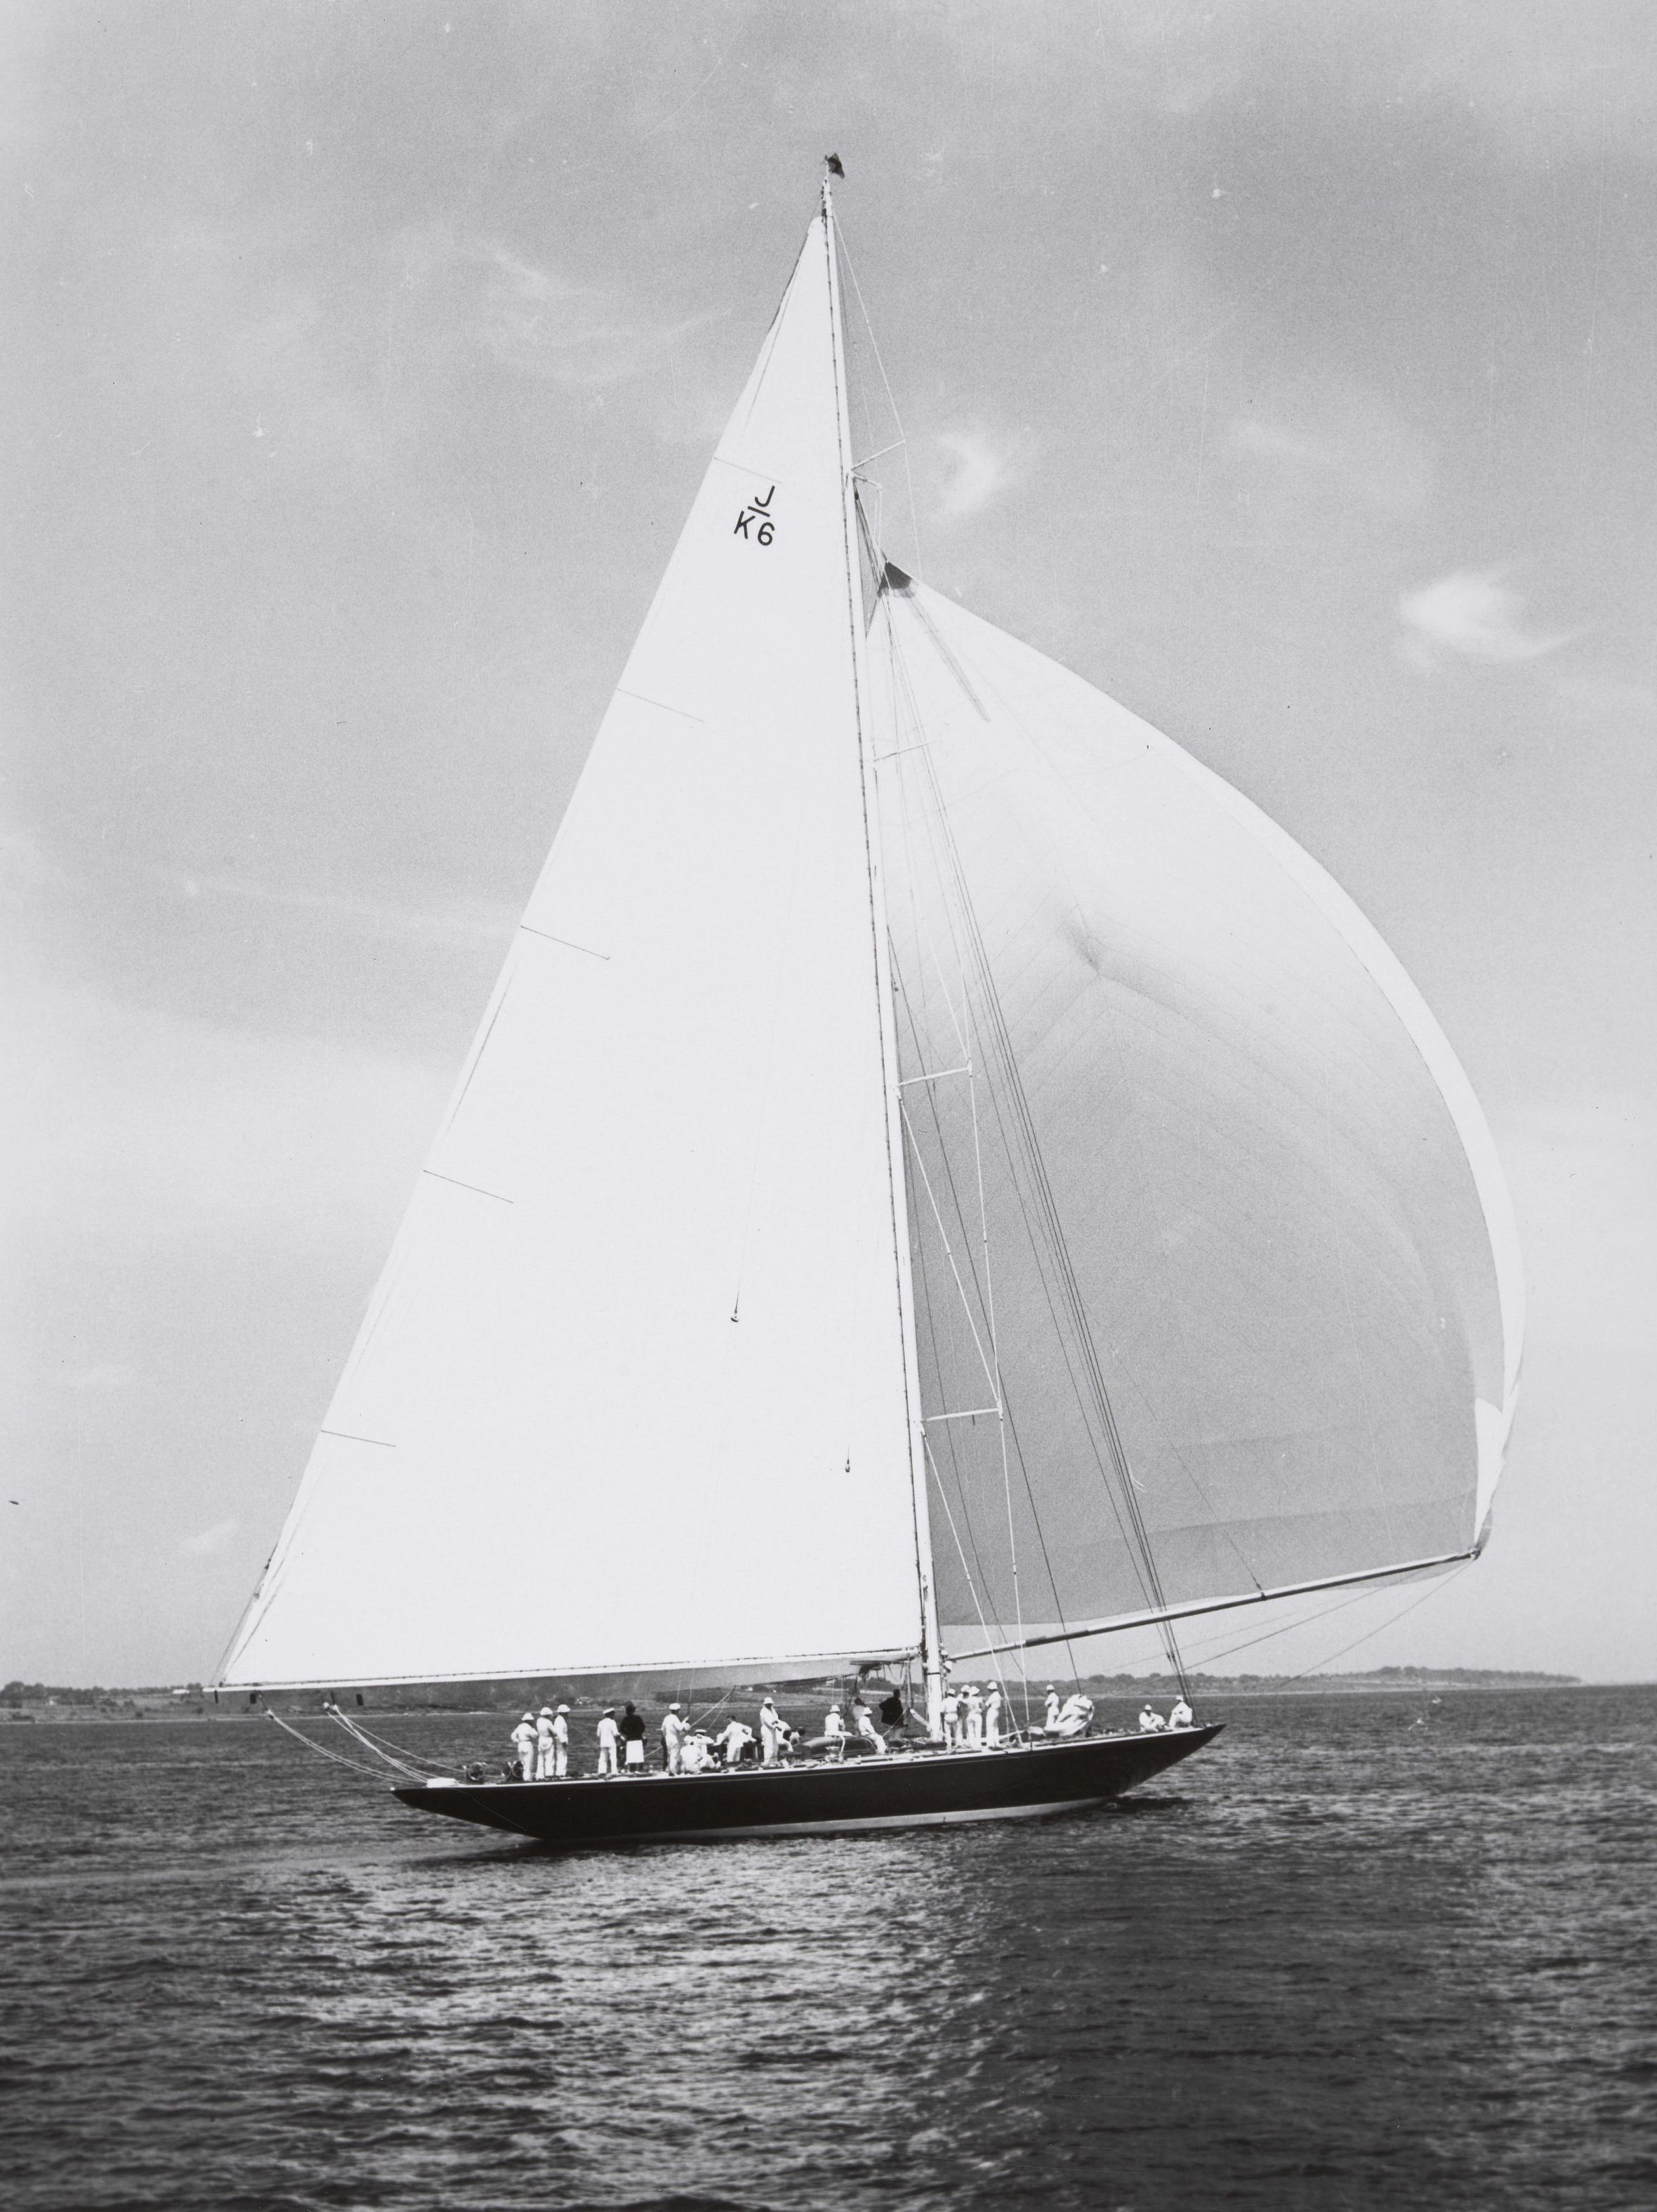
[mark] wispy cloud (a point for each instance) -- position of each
(202, 1545)
(1473, 615)
(458, 922)
(535, 321)
(979, 471)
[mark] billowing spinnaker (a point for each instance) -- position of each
(630, 1392)
(1282, 1210)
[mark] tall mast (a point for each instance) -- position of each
(932, 1650)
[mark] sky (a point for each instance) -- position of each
(1284, 369)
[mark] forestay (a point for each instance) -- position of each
(631, 1390)
(1283, 1224)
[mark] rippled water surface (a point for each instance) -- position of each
(1349, 1958)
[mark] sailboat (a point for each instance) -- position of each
(940, 1175)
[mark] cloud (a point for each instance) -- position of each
(1471, 613)
(458, 922)
(534, 321)
(979, 472)
(208, 1540)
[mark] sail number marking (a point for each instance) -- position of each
(757, 512)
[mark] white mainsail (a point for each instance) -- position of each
(1284, 1229)
(648, 1286)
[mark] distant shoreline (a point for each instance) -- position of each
(54, 1705)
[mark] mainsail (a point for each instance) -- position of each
(1201, 1196)
(648, 1286)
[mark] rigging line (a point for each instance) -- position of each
(398, 1765)
(903, 687)
(1055, 1225)
(383, 1745)
(932, 813)
(1369, 1634)
(984, 1625)
(949, 1250)
(982, 1581)
(885, 1012)
(337, 1757)
(874, 347)
(1010, 711)
(1000, 1400)
(1203, 1655)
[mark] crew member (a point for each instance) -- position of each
(523, 1737)
(864, 1722)
(1150, 1720)
(951, 1711)
(634, 1732)
(992, 1715)
(833, 1725)
(675, 1728)
(544, 1744)
(773, 1730)
(734, 1738)
(608, 1736)
(1180, 1715)
(972, 1698)
(561, 1743)
(1052, 1707)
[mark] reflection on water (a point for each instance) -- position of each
(1349, 1961)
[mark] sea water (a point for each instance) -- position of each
(1368, 1951)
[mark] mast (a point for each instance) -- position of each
(931, 1648)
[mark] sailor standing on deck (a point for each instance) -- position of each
(561, 1743)
(545, 1744)
(992, 1715)
(772, 1731)
(674, 1729)
(608, 1736)
(1052, 1721)
(634, 1732)
(973, 1697)
(951, 1709)
(523, 1738)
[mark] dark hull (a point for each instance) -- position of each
(905, 1791)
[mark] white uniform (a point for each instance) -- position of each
(608, 1736)
(865, 1726)
(543, 1747)
(833, 1725)
(1181, 1716)
(1053, 1708)
(733, 1736)
(1149, 1722)
(524, 1737)
(974, 1720)
(992, 1717)
(560, 1747)
(674, 1728)
(772, 1730)
(951, 1719)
